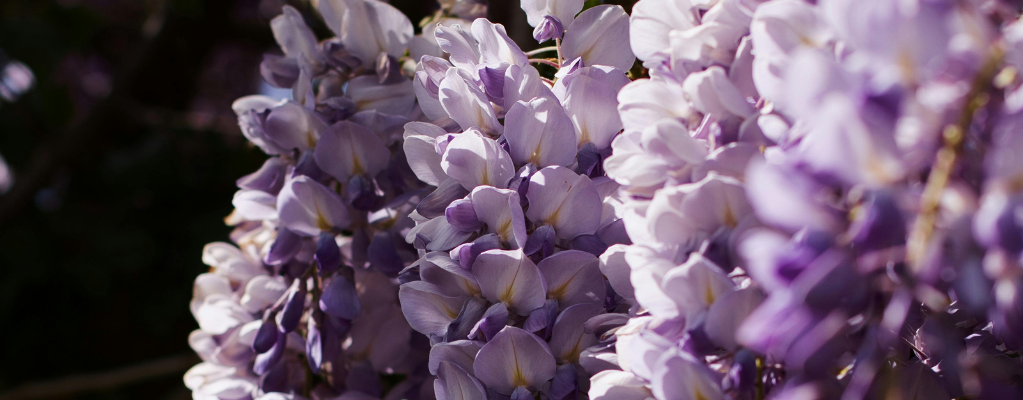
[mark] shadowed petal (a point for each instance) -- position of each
(499, 209)
(420, 151)
(600, 35)
(368, 28)
(453, 280)
(454, 383)
(348, 149)
(427, 310)
(306, 207)
(508, 276)
(495, 46)
(539, 132)
(474, 160)
(569, 337)
(573, 277)
(513, 359)
(460, 352)
(466, 103)
(340, 299)
(593, 107)
(565, 200)
(291, 126)
(368, 94)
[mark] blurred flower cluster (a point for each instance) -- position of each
(15, 79)
(296, 307)
(787, 199)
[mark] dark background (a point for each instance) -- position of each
(125, 155)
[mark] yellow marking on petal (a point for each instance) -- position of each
(535, 157)
(518, 378)
(555, 216)
(708, 294)
(321, 221)
(698, 395)
(357, 168)
(559, 292)
(485, 179)
(310, 139)
(450, 313)
(469, 288)
(729, 219)
(572, 355)
(504, 230)
(506, 294)
(584, 134)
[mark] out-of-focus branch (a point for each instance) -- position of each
(104, 380)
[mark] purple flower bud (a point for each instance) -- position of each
(275, 380)
(565, 383)
(466, 322)
(383, 254)
(267, 334)
(340, 299)
(493, 83)
(591, 161)
(461, 214)
(590, 244)
(466, 254)
(742, 376)
(520, 183)
(328, 254)
(549, 28)
(363, 194)
(284, 247)
(314, 342)
(541, 242)
(880, 224)
(493, 320)
(288, 319)
(541, 320)
(269, 359)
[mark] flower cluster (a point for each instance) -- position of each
(819, 197)
(509, 240)
(297, 308)
(789, 199)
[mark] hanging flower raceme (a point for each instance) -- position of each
(296, 309)
(800, 182)
(509, 275)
